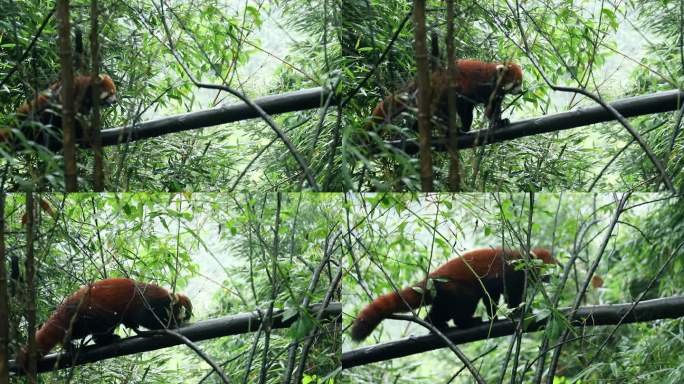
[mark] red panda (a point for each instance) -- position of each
(46, 107)
(44, 205)
(98, 308)
(477, 82)
(459, 285)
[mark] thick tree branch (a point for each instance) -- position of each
(628, 107)
(201, 330)
(286, 102)
(95, 118)
(665, 308)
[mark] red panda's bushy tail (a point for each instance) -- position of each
(47, 337)
(385, 305)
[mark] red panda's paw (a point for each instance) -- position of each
(468, 322)
(500, 123)
(441, 325)
(106, 338)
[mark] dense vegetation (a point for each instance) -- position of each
(420, 234)
(229, 255)
(612, 50)
(261, 248)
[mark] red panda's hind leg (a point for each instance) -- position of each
(491, 301)
(464, 109)
(105, 338)
(443, 305)
(464, 309)
(438, 315)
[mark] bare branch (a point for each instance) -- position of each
(272, 105)
(628, 107)
(201, 330)
(665, 308)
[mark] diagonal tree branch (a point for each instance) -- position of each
(272, 105)
(201, 330)
(664, 308)
(628, 107)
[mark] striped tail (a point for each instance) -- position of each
(386, 305)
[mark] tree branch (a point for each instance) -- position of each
(201, 330)
(628, 107)
(424, 99)
(664, 308)
(274, 104)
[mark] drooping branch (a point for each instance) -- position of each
(286, 102)
(665, 308)
(201, 330)
(629, 107)
(607, 236)
(29, 48)
(184, 340)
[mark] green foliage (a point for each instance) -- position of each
(196, 243)
(338, 45)
(563, 44)
(660, 68)
(150, 84)
(400, 247)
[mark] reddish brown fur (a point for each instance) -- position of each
(43, 107)
(459, 288)
(81, 95)
(98, 308)
(476, 83)
(477, 79)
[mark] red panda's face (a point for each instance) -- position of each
(183, 306)
(108, 90)
(512, 78)
(545, 256)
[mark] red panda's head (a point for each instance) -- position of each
(182, 308)
(544, 255)
(512, 77)
(82, 94)
(107, 90)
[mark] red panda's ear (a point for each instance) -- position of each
(500, 69)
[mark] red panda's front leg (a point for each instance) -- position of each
(493, 113)
(465, 109)
(106, 338)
